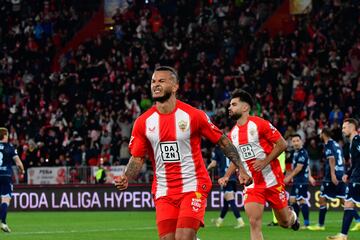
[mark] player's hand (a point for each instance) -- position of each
(334, 180)
(312, 181)
(259, 165)
(223, 181)
(287, 180)
(122, 183)
(244, 178)
(345, 178)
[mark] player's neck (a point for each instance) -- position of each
(244, 118)
(353, 134)
(167, 106)
(326, 140)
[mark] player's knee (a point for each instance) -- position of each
(185, 236)
(286, 220)
(349, 204)
(229, 196)
(6, 200)
(285, 223)
(322, 201)
(255, 222)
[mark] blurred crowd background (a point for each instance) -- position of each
(82, 114)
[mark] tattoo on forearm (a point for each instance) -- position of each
(133, 168)
(230, 151)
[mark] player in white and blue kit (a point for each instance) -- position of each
(8, 156)
(352, 177)
(300, 177)
(219, 159)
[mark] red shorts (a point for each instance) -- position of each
(185, 205)
(275, 196)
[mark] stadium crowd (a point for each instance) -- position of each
(301, 81)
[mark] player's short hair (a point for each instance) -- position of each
(169, 69)
(3, 132)
(326, 131)
(352, 121)
(296, 135)
(244, 96)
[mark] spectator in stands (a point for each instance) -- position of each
(307, 79)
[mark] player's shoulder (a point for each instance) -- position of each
(329, 144)
(145, 115)
(262, 124)
(188, 108)
(258, 120)
(304, 151)
(356, 139)
(6, 145)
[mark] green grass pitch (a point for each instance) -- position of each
(141, 226)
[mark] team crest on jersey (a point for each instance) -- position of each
(183, 125)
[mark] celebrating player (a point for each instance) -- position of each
(8, 156)
(352, 177)
(170, 133)
(259, 144)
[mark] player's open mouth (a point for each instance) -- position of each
(157, 91)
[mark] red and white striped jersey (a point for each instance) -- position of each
(173, 143)
(255, 140)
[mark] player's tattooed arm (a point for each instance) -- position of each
(230, 151)
(133, 168)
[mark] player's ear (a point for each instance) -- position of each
(246, 107)
(175, 87)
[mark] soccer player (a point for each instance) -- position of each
(332, 186)
(352, 177)
(8, 156)
(219, 159)
(259, 144)
(170, 133)
(300, 177)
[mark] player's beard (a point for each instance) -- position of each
(236, 116)
(164, 98)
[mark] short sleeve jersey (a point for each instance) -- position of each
(332, 149)
(7, 155)
(355, 160)
(301, 157)
(255, 140)
(173, 143)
